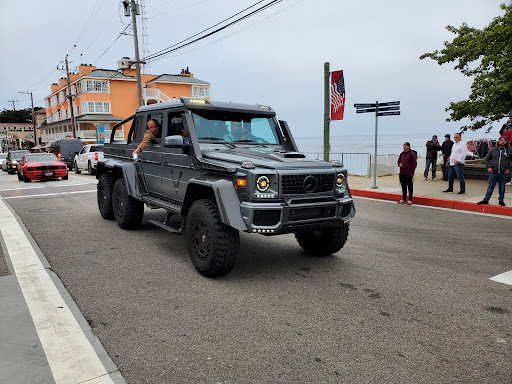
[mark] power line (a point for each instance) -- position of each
(234, 33)
(117, 38)
(169, 50)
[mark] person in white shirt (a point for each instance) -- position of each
(457, 160)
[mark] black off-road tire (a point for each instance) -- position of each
(324, 242)
(104, 196)
(212, 245)
(77, 171)
(128, 211)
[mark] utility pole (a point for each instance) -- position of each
(137, 58)
(33, 116)
(13, 101)
(70, 97)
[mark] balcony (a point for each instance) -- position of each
(84, 135)
(154, 95)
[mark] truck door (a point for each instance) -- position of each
(150, 158)
(177, 163)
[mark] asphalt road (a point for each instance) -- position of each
(408, 300)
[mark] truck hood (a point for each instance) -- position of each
(264, 157)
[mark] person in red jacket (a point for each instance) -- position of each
(407, 164)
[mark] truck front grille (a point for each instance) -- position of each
(294, 184)
(298, 214)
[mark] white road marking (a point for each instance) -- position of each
(440, 208)
(71, 357)
(47, 194)
(44, 186)
(505, 278)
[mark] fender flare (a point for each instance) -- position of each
(124, 169)
(228, 202)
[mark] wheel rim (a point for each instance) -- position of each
(201, 239)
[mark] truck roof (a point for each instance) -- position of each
(198, 104)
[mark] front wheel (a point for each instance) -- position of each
(323, 242)
(212, 245)
(77, 171)
(25, 178)
(128, 211)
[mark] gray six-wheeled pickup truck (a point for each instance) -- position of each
(220, 168)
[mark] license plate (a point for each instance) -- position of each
(48, 174)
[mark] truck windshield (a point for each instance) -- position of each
(235, 127)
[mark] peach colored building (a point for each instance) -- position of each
(105, 97)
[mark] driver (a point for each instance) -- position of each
(238, 132)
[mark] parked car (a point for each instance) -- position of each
(88, 158)
(11, 161)
(41, 166)
(66, 149)
(3, 156)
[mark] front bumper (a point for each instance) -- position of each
(281, 217)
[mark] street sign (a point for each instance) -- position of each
(388, 108)
(365, 110)
(389, 103)
(388, 113)
(365, 105)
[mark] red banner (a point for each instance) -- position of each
(337, 95)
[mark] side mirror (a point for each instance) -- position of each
(175, 141)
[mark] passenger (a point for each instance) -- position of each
(152, 136)
(239, 132)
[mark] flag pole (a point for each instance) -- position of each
(327, 110)
(375, 156)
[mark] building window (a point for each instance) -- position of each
(61, 97)
(97, 86)
(47, 103)
(200, 91)
(95, 107)
(54, 100)
(76, 110)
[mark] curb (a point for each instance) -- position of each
(434, 202)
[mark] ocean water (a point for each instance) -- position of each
(387, 144)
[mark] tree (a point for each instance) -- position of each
(19, 116)
(485, 55)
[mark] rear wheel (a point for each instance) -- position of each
(104, 196)
(91, 170)
(323, 242)
(212, 245)
(128, 211)
(77, 171)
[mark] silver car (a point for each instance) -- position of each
(3, 156)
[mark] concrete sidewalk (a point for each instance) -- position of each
(430, 192)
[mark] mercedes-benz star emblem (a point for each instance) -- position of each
(309, 184)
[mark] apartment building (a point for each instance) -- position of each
(16, 136)
(105, 97)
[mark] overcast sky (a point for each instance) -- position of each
(275, 58)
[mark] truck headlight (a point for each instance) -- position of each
(262, 183)
(340, 178)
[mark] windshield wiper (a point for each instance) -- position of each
(244, 141)
(218, 140)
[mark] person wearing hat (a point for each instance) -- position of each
(498, 164)
(446, 150)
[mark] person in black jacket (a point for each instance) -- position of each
(498, 164)
(432, 148)
(446, 150)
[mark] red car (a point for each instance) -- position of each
(41, 166)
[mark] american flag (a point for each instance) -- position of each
(337, 95)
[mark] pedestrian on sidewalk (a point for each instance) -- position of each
(431, 159)
(446, 150)
(457, 161)
(407, 164)
(498, 164)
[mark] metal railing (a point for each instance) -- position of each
(356, 163)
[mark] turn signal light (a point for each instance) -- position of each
(241, 182)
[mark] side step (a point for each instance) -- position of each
(166, 227)
(168, 206)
